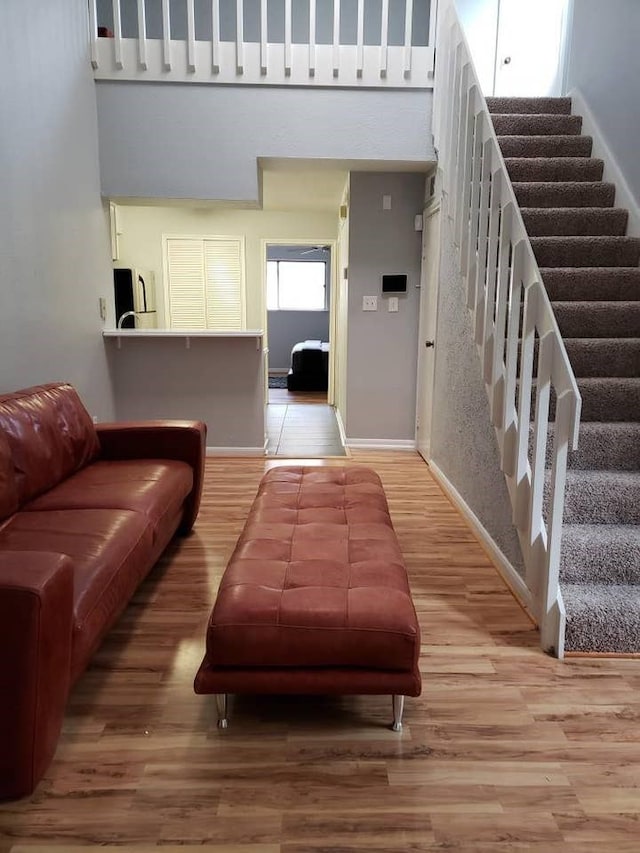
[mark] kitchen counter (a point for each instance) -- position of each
(214, 376)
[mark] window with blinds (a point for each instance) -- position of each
(205, 283)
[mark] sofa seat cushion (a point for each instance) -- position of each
(109, 549)
(317, 579)
(156, 488)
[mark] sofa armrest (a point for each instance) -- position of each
(36, 606)
(183, 441)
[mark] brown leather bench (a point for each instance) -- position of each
(315, 598)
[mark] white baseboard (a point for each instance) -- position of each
(341, 430)
(380, 444)
(278, 371)
(502, 564)
(612, 171)
(236, 451)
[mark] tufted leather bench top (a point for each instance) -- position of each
(317, 579)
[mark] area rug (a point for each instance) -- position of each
(277, 382)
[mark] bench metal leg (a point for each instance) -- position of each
(398, 707)
(221, 704)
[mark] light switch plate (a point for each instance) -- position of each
(393, 304)
(386, 202)
(102, 304)
(369, 303)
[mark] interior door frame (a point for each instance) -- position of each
(429, 291)
(333, 246)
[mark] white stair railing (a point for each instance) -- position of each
(138, 40)
(520, 347)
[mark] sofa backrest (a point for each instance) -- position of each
(49, 435)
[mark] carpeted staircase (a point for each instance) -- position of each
(590, 270)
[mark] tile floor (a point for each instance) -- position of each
(303, 430)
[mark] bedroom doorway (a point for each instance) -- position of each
(298, 283)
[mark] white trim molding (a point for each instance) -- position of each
(380, 443)
(236, 451)
(507, 572)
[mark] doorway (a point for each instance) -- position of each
(427, 330)
(300, 418)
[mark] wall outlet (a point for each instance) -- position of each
(386, 202)
(95, 419)
(102, 305)
(393, 304)
(369, 303)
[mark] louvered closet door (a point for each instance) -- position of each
(224, 283)
(187, 298)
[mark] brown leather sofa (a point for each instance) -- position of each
(85, 512)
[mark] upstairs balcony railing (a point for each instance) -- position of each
(344, 43)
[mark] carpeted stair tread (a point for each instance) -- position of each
(586, 251)
(554, 168)
(601, 447)
(602, 618)
(549, 106)
(545, 146)
(575, 221)
(610, 398)
(564, 193)
(607, 446)
(598, 320)
(604, 399)
(605, 284)
(601, 497)
(603, 356)
(600, 553)
(514, 124)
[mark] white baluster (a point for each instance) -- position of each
(166, 34)
(360, 40)
(336, 38)
(191, 37)
(142, 36)
(93, 33)
(312, 38)
(384, 38)
(240, 36)
(215, 36)
(117, 35)
(263, 37)
(287, 38)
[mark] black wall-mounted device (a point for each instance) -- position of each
(394, 283)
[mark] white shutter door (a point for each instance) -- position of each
(224, 283)
(187, 302)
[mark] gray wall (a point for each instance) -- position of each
(382, 347)
(208, 149)
(275, 20)
(54, 248)
(286, 328)
(463, 443)
(604, 65)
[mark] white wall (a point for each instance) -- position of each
(54, 246)
(203, 142)
(142, 229)
(604, 65)
(382, 346)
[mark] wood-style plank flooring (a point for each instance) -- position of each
(303, 429)
(507, 749)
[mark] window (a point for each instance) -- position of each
(205, 283)
(296, 285)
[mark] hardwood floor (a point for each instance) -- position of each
(507, 749)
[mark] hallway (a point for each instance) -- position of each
(302, 429)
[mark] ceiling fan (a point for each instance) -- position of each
(312, 249)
